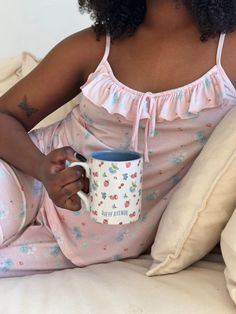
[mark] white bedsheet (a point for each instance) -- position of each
(119, 288)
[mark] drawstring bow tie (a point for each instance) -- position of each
(146, 109)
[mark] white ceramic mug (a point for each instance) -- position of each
(115, 186)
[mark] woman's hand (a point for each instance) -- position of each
(62, 183)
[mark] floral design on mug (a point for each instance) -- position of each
(121, 186)
(94, 185)
(106, 183)
(114, 197)
(104, 195)
(115, 191)
(127, 203)
(114, 168)
(125, 176)
(132, 215)
(133, 187)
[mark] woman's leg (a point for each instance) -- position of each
(20, 197)
(35, 251)
(26, 243)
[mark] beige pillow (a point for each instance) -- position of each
(200, 208)
(228, 247)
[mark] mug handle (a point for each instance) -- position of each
(81, 194)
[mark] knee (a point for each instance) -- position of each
(12, 204)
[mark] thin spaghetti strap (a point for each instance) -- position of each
(220, 49)
(107, 49)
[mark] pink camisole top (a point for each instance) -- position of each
(169, 128)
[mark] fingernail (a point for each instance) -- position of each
(80, 157)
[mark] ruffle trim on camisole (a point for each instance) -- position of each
(104, 90)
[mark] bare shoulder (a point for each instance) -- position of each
(229, 56)
(84, 49)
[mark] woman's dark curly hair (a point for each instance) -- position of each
(122, 17)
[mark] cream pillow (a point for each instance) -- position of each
(201, 206)
(228, 247)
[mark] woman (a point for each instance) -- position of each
(154, 78)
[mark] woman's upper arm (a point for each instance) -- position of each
(56, 80)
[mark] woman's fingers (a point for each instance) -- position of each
(69, 197)
(70, 175)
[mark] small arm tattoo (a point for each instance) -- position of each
(26, 108)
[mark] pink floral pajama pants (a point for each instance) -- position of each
(27, 245)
